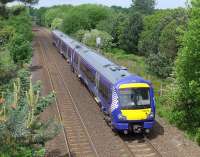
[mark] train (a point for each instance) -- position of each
(127, 100)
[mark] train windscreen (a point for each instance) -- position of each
(134, 98)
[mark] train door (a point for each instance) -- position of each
(60, 47)
(57, 42)
(97, 77)
(74, 60)
(72, 56)
(69, 54)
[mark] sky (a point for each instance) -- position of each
(162, 4)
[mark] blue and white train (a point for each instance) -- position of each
(126, 99)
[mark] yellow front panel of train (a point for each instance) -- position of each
(136, 114)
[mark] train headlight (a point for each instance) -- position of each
(151, 115)
(121, 117)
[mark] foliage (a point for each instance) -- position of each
(144, 6)
(89, 39)
(114, 25)
(16, 10)
(20, 50)
(87, 17)
(80, 34)
(153, 25)
(185, 111)
(22, 132)
(22, 24)
(3, 10)
(7, 67)
(119, 9)
(11, 30)
(6, 33)
(160, 65)
(39, 14)
(57, 23)
(168, 45)
(128, 40)
(161, 37)
(55, 12)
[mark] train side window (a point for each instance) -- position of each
(87, 72)
(104, 90)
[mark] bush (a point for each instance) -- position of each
(84, 17)
(90, 39)
(80, 34)
(6, 33)
(22, 133)
(160, 65)
(129, 37)
(20, 49)
(198, 137)
(57, 23)
(22, 24)
(7, 67)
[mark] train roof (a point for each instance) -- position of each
(111, 71)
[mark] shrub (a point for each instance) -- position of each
(90, 39)
(22, 133)
(57, 23)
(198, 137)
(20, 49)
(80, 34)
(84, 17)
(6, 33)
(160, 65)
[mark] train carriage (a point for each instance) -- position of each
(126, 99)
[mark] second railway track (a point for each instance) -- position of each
(77, 139)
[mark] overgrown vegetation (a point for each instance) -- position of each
(22, 133)
(185, 111)
(162, 44)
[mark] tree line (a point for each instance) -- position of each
(140, 29)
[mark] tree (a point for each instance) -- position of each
(89, 38)
(153, 26)
(187, 72)
(85, 17)
(22, 133)
(57, 23)
(144, 6)
(129, 38)
(3, 3)
(3, 11)
(20, 49)
(29, 2)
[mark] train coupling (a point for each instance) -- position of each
(137, 129)
(125, 132)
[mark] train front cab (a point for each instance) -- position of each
(133, 108)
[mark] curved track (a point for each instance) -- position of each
(77, 138)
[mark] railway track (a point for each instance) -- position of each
(77, 139)
(132, 146)
(140, 146)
